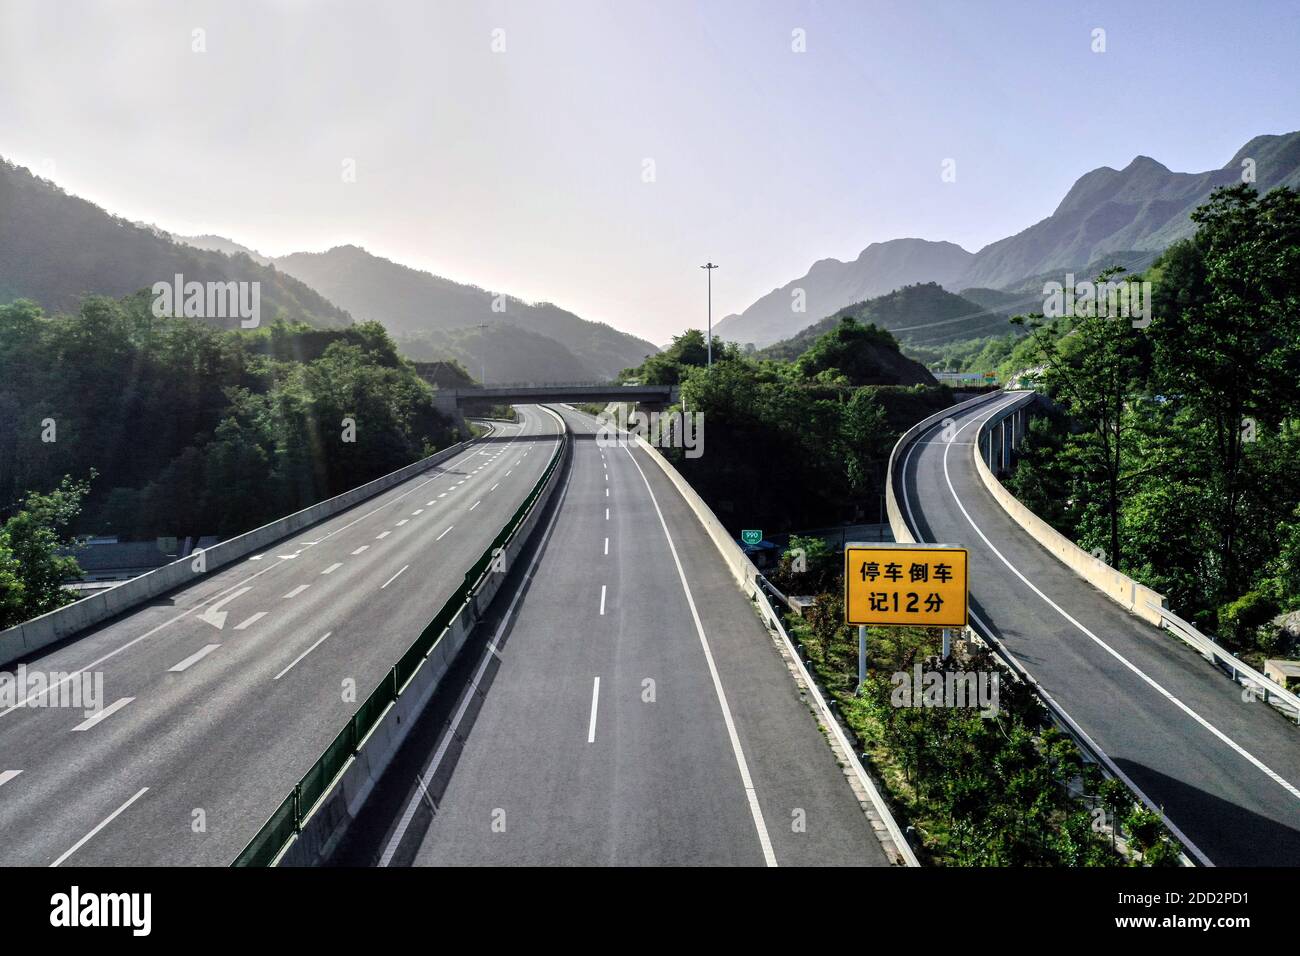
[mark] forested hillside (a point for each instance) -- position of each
(183, 429)
(56, 248)
(794, 444)
(1176, 444)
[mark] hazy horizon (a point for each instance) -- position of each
(523, 170)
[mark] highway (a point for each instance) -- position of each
(219, 696)
(1226, 772)
(626, 707)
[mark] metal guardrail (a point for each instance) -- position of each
(283, 825)
(1056, 713)
(1241, 672)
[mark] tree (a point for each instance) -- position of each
(1228, 349)
(32, 569)
(1092, 364)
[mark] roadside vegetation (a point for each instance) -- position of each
(1006, 790)
(798, 443)
(1173, 448)
(190, 430)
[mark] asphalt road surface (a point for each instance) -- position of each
(627, 706)
(208, 722)
(1226, 771)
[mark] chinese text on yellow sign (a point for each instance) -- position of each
(921, 585)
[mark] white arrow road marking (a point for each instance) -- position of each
(106, 821)
(99, 715)
(217, 617)
(193, 659)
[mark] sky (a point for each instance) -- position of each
(594, 154)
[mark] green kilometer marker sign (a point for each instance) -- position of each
(751, 536)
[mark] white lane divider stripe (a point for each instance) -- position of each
(595, 699)
(475, 505)
(382, 535)
(103, 714)
(607, 545)
(364, 547)
(488, 654)
(296, 591)
(393, 578)
(417, 512)
(301, 656)
(333, 567)
(106, 821)
(402, 522)
(602, 599)
(250, 621)
(7, 775)
(193, 659)
(764, 841)
(444, 534)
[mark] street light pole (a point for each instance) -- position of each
(708, 267)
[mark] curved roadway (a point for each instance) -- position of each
(1225, 771)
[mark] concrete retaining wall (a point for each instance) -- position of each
(25, 639)
(746, 575)
(328, 822)
(1119, 587)
(897, 521)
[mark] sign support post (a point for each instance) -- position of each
(862, 658)
(947, 643)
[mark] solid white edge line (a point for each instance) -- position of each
(409, 814)
(1151, 682)
(595, 700)
(750, 794)
(441, 468)
(1110, 764)
(105, 822)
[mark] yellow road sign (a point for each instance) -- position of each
(919, 584)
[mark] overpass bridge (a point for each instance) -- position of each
(454, 400)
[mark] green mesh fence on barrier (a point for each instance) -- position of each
(288, 817)
(275, 833)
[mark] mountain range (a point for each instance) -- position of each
(55, 248)
(433, 317)
(1125, 216)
